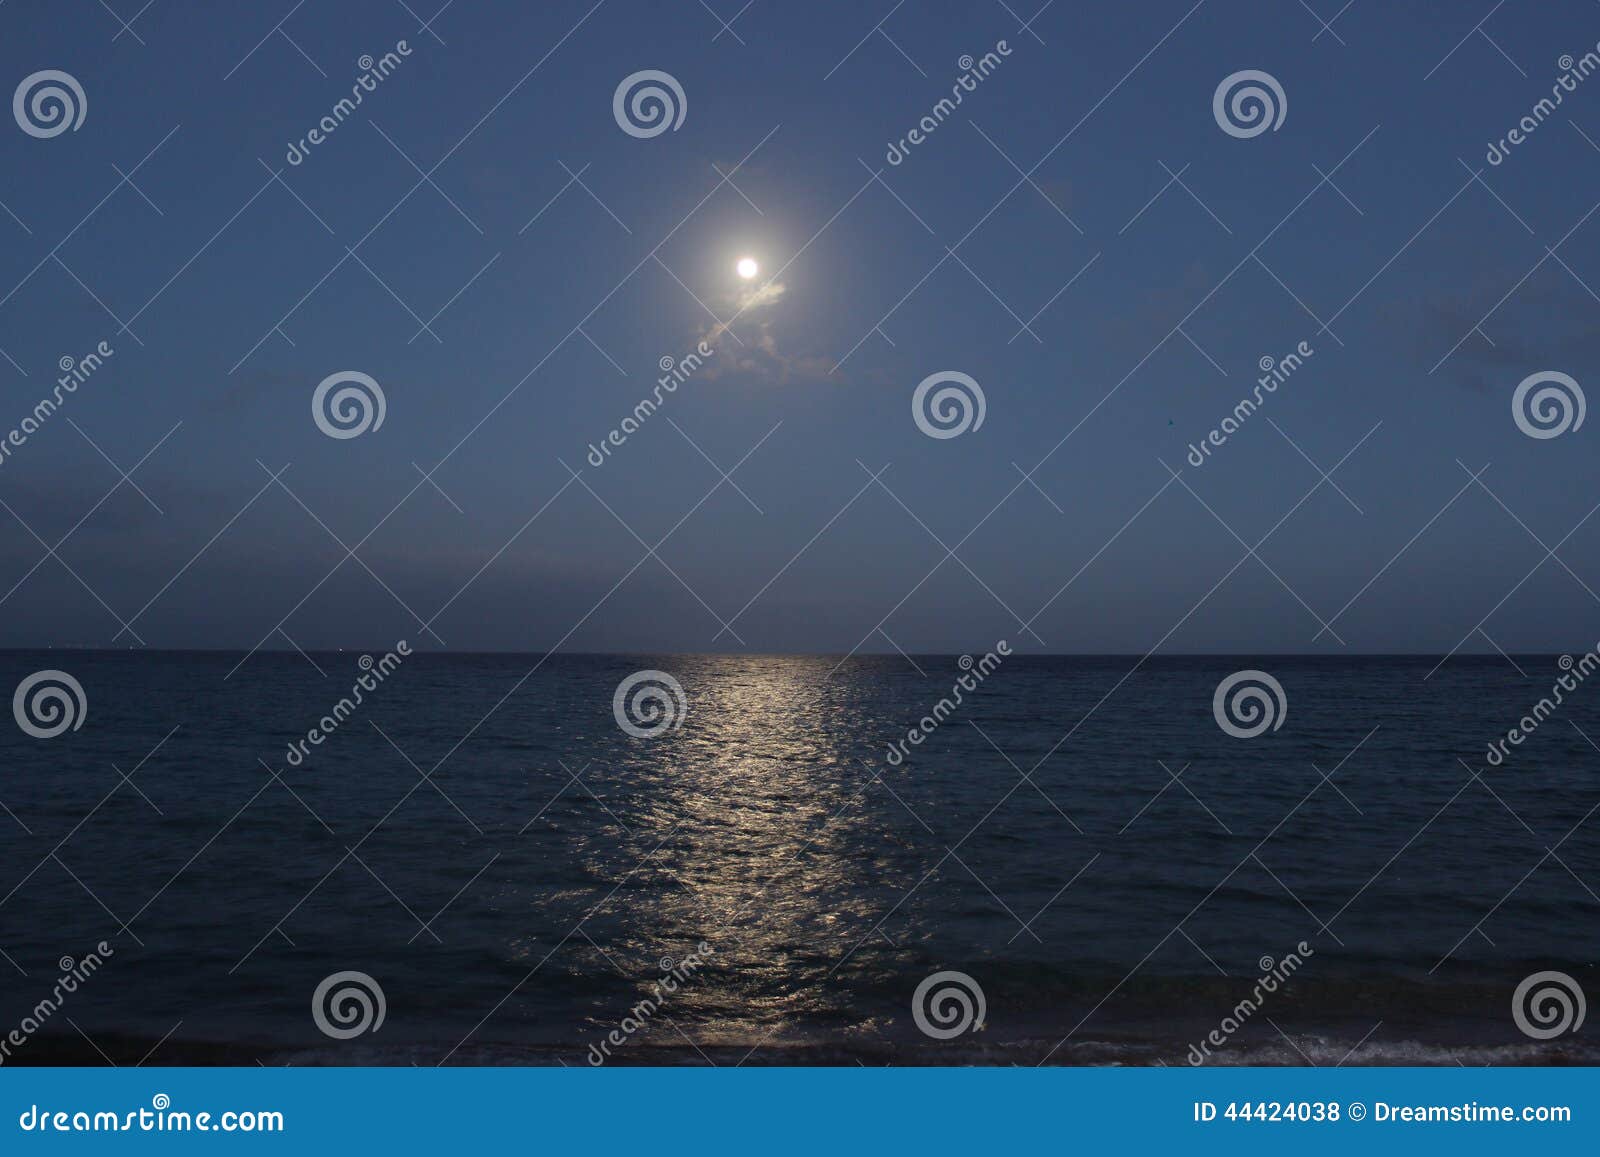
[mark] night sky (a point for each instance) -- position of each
(1079, 236)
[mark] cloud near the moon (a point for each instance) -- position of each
(760, 356)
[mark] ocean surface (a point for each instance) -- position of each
(516, 872)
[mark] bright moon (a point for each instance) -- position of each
(747, 267)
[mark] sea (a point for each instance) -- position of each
(492, 859)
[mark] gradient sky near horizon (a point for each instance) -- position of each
(1426, 293)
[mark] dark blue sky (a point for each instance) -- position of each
(549, 332)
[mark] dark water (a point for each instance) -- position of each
(1104, 918)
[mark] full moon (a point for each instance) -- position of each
(747, 268)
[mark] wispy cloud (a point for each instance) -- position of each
(758, 357)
